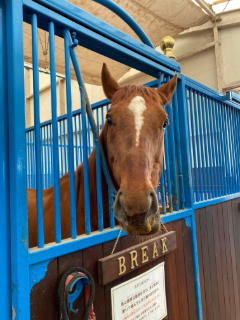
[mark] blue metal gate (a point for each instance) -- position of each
(201, 163)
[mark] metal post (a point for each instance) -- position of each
(187, 176)
(17, 162)
(5, 240)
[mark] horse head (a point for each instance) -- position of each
(134, 129)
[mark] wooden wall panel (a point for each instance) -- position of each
(223, 261)
(90, 262)
(212, 263)
(218, 236)
(206, 263)
(44, 295)
(171, 283)
(188, 255)
(236, 234)
(181, 272)
(200, 263)
(179, 280)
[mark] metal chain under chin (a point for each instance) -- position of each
(114, 247)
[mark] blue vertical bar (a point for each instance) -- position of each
(102, 117)
(70, 138)
(17, 164)
(172, 157)
(178, 149)
(232, 146)
(226, 152)
(229, 147)
(27, 160)
(61, 147)
(48, 159)
(80, 137)
(65, 153)
(222, 133)
(89, 137)
(51, 148)
(216, 146)
(42, 170)
(193, 145)
(99, 189)
(76, 141)
(5, 239)
(234, 115)
(209, 146)
(98, 127)
(56, 176)
(168, 173)
(45, 157)
(111, 213)
(185, 145)
(163, 190)
(202, 133)
(196, 117)
(85, 167)
(238, 146)
(32, 159)
(37, 132)
(212, 128)
(220, 151)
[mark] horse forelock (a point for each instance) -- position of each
(128, 92)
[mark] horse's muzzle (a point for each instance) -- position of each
(139, 217)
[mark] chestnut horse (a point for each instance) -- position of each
(133, 142)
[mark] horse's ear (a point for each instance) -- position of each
(110, 85)
(167, 90)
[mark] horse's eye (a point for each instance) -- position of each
(109, 121)
(165, 124)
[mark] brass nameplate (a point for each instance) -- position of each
(123, 262)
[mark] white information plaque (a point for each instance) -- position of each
(143, 297)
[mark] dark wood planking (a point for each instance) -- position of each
(188, 255)
(212, 262)
(90, 262)
(107, 249)
(223, 260)
(229, 261)
(222, 313)
(64, 263)
(181, 274)
(171, 283)
(206, 264)
(44, 295)
(232, 249)
(200, 264)
(236, 233)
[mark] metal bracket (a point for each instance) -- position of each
(37, 272)
(74, 40)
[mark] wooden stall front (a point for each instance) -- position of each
(218, 238)
(180, 286)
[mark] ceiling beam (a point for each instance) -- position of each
(195, 52)
(204, 5)
(228, 19)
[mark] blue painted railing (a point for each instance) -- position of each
(214, 130)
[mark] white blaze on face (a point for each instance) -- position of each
(137, 106)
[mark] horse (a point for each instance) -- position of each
(133, 143)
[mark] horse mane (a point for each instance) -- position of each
(132, 90)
